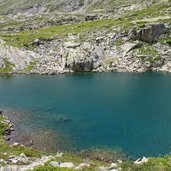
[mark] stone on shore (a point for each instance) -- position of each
(82, 165)
(15, 144)
(60, 164)
(67, 165)
(55, 164)
(112, 166)
(141, 161)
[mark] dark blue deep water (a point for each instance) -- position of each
(129, 111)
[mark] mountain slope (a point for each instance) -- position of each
(14, 6)
(133, 37)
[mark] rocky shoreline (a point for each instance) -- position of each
(22, 162)
(132, 50)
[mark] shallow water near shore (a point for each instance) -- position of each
(126, 111)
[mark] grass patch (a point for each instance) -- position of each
(157, 164)
(6, 150)
(3, 127)
(26, 38)
(148, 50)
(166, 41)
(148, 53)
(51, 168)
(7, 66)
(31, 66)
(151, 11)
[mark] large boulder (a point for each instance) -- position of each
(149, 34)
(128, 46)
(82, 58)
(67, 165)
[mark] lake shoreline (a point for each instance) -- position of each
(71, 72)
(14, 138)
(85, 124)
(73, 161)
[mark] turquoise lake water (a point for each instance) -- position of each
(126, 110)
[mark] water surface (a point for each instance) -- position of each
(129, 111)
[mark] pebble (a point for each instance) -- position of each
(15, 144)
(119, 161)
(113, 165)
(31, 142)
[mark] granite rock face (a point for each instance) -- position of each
(19, 59)
(149, 34)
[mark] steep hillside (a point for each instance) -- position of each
(30, 6)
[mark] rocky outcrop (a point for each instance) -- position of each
(149, 34)
(42, 6)
(99, 52)
(17, 58)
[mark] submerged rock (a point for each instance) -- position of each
(61, 119)
(106, 155)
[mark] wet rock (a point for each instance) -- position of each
(82, 66)
(106, 155)
(61, 119)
